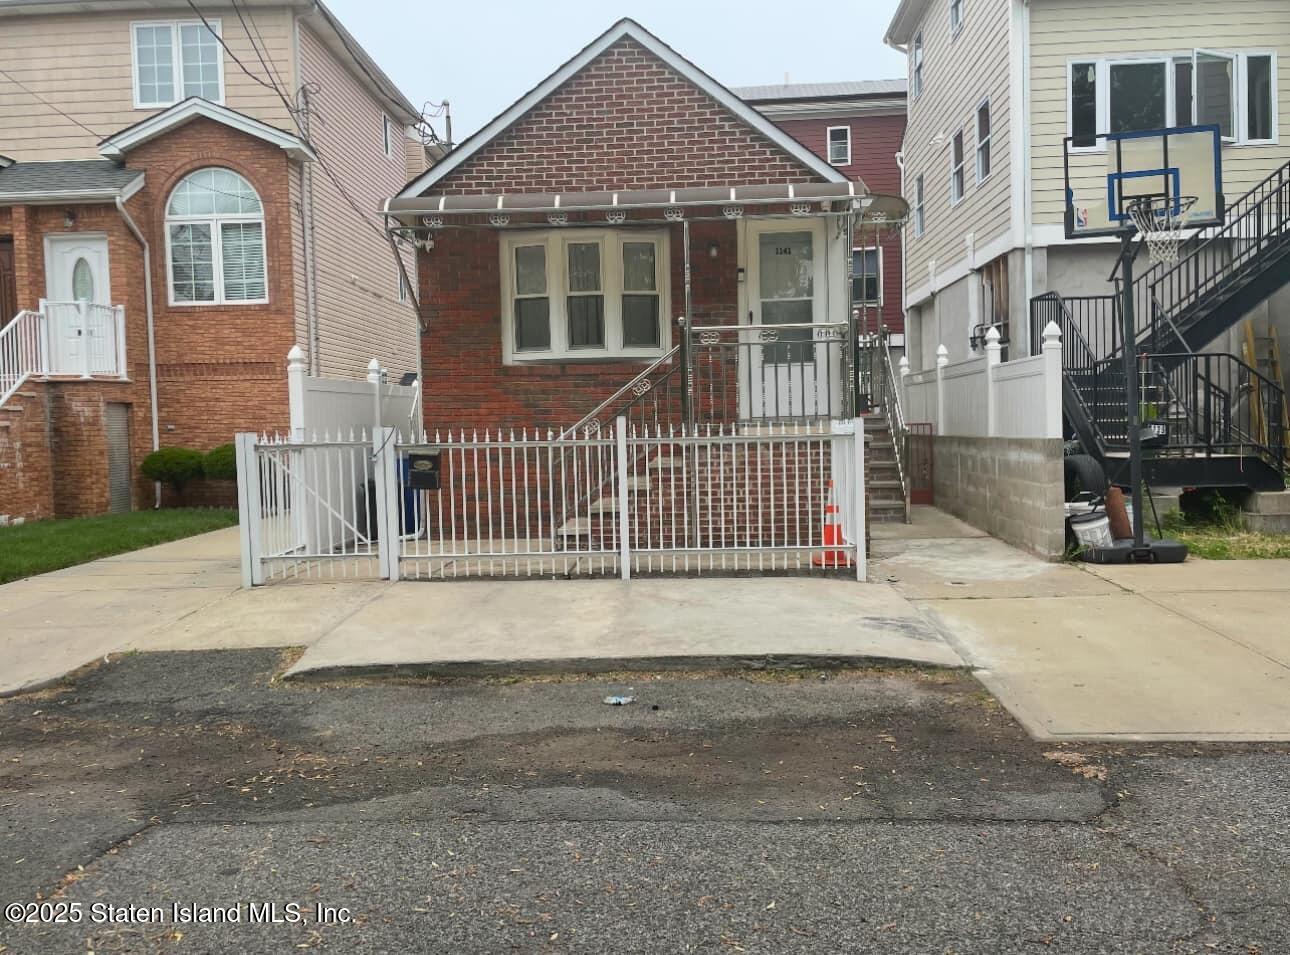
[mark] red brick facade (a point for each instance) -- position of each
(625, 121)
(220, 369)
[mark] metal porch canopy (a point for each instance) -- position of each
(816, 198)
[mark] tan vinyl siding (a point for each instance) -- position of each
(417, 161)
(1067, 30)
(958, 73)
(82, 64)
(360, 316)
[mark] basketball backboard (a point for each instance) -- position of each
(1103, 178)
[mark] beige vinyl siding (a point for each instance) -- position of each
(1067, 30)
(958, 74)
(417, 161)
(82, 64)
(360, 316)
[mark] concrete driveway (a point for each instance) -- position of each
(1198, 651)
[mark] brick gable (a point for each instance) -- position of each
(625, 121)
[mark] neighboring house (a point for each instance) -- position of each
(185, 195)
(996, 85)
(627, 189)
(857, 127)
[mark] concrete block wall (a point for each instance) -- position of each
(1011, 488)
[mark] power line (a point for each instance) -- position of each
(40, 99)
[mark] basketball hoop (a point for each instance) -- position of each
(1160, 222)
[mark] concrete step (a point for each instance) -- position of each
(1268, 503)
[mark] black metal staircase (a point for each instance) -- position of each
(1209, 419)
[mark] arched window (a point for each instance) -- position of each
(215, 240)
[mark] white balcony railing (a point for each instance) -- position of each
(62, 338)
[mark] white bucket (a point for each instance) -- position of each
(1093, 530)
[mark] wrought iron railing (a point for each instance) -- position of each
(887, 397)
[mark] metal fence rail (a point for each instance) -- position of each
(620, 501)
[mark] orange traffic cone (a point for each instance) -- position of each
(831, 537)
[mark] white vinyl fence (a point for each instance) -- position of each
(986, 397)
(618, 502)
(336, 406)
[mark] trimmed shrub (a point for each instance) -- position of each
(220, 463)
(173, 466)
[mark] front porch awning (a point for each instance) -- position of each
(707, 202)
(67, 181)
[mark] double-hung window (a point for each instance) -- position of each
(956, 168)
(584, 294)
(1233, 90)
(839, 145)
(920, 218)
(177, 60)
(215, 240)
(866, 276)
(916, 66)
(983, 141)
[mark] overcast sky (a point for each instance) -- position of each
(482, 56)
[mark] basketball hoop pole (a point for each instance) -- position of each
(1134, 412)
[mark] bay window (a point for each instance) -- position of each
(583, 294)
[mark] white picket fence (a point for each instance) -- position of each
(618, 502)
(986, 397)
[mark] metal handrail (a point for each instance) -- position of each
(22, 352)
(631, 387)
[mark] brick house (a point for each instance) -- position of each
(858, 128)
(627, 217)
(170, 232)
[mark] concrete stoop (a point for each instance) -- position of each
(1268, 512)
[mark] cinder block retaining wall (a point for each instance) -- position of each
(1012, 488)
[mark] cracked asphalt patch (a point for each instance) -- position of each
(888, 810)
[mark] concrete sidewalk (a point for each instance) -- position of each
(1198, 651)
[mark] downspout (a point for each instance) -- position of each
(1027, 186)
(152, 337)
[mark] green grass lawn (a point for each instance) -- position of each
(1216, 531)
(42, 546)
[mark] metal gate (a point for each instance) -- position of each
(918, 438)
(624, 501)
(117, 422)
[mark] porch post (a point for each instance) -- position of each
(689, 319)
(942, 359)
(119, 315)
(46, 364)
(993, 356)
(624, 518)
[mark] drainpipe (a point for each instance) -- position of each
(152, 338)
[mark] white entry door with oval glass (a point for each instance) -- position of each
(82, 327)
(787, 371)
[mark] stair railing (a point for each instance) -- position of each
(889, 399)
(22, 352)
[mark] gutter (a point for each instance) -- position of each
(152, 338)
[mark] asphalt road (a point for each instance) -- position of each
(890, 811)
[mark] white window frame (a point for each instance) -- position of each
(1237, 64)
(828, 145)
(957, 9)
(958, 171)
(920, 207)
(388, 129)
(986, 143)
(1170, 60)
(878, 302)
(176, 59)
(1243, 83)
(217, 250)
(917, 59)
(556, 243)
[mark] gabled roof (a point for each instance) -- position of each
(815, 91)
(623, 29)
(92, 180)
(120, 143)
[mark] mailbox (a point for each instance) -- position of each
(423, 470)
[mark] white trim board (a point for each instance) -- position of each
(623, 29)
(117, 145)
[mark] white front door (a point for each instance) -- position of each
(76, 276)
(788, 371)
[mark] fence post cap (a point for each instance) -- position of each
(904, 364)
(1052, 334)
(942, 355)
(373, 370)
(992, 337)
(295, 358)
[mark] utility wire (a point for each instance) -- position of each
(40, 99)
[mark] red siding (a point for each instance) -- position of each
(875, 140)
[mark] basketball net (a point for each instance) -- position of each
(1160, 222)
